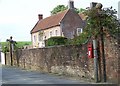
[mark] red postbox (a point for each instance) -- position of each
(90, 50)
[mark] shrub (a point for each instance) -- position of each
(56, 41)
(82, 39)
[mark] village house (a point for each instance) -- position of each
(66, 24)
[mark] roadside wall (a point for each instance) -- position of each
(70, 60)
(112, 57)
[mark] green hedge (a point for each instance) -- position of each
(56, 41)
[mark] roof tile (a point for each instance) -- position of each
(48, 22)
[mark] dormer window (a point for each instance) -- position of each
(79, 31)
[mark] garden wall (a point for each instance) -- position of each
(69, 60)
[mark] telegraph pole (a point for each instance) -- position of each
(99, 8)
(95, 60)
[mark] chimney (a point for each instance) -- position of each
(71, 4)
(93, 4)
(40, 16)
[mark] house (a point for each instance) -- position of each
(67, 24)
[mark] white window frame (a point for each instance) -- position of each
(50, 33)
(79, 31)
(56, 32)
(34, 38)
(40, 37)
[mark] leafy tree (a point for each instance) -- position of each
(61, 8)
(102, 18)
(81, 10)
(96, 20)
(58, 8)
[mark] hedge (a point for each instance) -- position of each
(56, 41)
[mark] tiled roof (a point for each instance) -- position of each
(48, 22)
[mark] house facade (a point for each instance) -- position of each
(66, 24)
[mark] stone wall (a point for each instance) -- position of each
(70, 60)
(112, 49)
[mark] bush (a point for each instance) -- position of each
(56, 41)
(5, 46)
(82, 39)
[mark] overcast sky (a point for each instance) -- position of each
(18, 17)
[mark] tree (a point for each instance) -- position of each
(104, 18)
(58, 8)
(81, 10)
(61, 8)
(99, 22)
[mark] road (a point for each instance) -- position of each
(12, 75)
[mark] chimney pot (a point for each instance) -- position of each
(40, 16)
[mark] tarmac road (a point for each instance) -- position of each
(11, 76)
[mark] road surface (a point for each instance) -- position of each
(12, 75)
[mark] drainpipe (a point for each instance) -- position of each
(95, 60)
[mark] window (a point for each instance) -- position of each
(50, 33)
(34, 39)
(40, 37)
(79, 31)
(56, 32)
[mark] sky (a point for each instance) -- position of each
(18, 17)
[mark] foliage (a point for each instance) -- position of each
(56, 41)
(60, 8)
(21, 44)
(5, 45)
(81, 10)
(104, 18)
(81, 39)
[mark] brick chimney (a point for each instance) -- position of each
(71, 4)
(40, 16)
